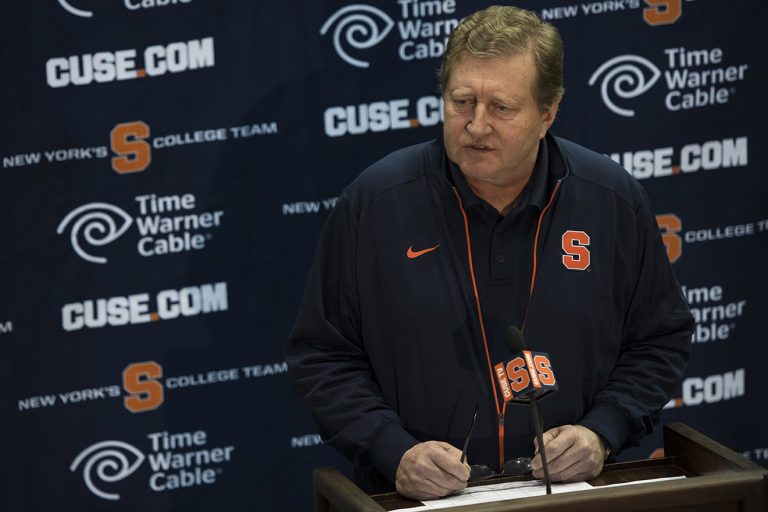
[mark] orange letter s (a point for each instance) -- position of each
(140, 382)
(575, 245)
(128, 142)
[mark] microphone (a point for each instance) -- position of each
(525, 379)
(527, 375)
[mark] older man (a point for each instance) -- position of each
(434, 251)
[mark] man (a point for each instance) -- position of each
(434, 251)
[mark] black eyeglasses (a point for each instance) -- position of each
(515, 467)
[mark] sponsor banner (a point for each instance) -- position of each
(711, 155)
(173, 160)
(306, 441)
(574, 10)
(309, 207)
(166, 461)
(131, 145)
(116, 65)
(163, 225)
(655, 12)
(675, 237)
(687, 78)
(711, 389)
(382, 116)
(144, 386)
(716, 316)
(413, 30)
(75, 7)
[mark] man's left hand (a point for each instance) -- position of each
(574, 454)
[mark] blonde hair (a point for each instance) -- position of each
(505, 31)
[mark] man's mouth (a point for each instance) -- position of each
(479, 147)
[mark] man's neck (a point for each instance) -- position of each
(502, 197)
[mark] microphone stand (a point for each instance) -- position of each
(540, 436)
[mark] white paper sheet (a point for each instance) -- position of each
(512, 490)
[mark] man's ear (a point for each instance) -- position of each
(548, 117)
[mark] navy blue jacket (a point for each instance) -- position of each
(387, 351)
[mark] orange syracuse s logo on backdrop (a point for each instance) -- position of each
(671, 226)
(128, 141)
(662, 12)
(140, 381)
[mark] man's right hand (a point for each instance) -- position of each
(431, 470)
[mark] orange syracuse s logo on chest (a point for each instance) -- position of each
(575, 247)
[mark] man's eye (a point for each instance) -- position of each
(462, 103)
(505, 111)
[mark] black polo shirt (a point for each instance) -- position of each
(502, 251)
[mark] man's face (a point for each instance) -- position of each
(493, 123)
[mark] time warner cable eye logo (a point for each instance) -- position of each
(107, 463)
(98, 225)
(422, 27)
(74, 10)
(166, 225)
(694, 78)
(359, 27)
(624, 76)
(176, 461)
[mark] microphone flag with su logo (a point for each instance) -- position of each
(526, 375)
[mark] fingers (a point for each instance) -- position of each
(431, 470)
(449, 460)
(552, 451)
(417, 489)
(574, 453)
(549, 436)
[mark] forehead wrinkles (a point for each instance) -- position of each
(525, 52)
(499, 80)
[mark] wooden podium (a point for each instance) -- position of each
(718, 479)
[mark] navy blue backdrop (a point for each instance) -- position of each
(167, 166)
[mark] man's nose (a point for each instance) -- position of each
(479, 125)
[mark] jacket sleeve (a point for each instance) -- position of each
(655, 344)
(328, 362)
